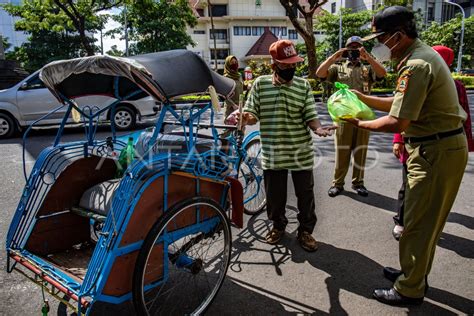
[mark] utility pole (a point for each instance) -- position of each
(461, 40)
(340, 26)
(126, 29)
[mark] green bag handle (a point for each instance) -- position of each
(341, 85)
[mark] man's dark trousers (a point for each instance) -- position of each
(276, 191)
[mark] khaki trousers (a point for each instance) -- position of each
(435, 171)
(350, 140)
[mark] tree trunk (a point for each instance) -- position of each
(311, 53)
(85, 42)
(310, 43)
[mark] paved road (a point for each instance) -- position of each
(355, 237)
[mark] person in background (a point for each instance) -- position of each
(231, 70)
(425, 108)
(285, 108)
(399, 151)
(350, 139)
(448, 56)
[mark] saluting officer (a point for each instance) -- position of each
(349, 139)
(425, 108)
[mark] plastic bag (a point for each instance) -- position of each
(345, 104)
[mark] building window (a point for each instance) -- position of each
(220, 34)
(257, 30)
(430, 14)
(221, 53)
(199, 32)
(278, 31)
(292, 34)
(200, 12)
(242, 30)
(219, 9)
(333, 7)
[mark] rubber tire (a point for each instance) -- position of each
(11, 124)
(261, 208)
(131, 112)
(148, 245)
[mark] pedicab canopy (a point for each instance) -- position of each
(162, 75)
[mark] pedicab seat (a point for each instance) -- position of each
(98, 198)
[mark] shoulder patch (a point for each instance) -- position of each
(402, 82)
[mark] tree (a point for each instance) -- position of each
(354, 23)
(81, 16)
(448, 34)
(293, 8)
(43, 47)
(156, 25)
(6, 44)
(114, 51)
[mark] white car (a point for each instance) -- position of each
(29, 100)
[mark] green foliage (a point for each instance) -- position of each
(156, 25)
(6, 44)
(43, 47)
(389, 81)
(79, 16)
(448, 34)
(354, 24)
(259, 68)
(316, 84)
(114, 51)
(466, 80)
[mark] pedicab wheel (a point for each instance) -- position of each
(251, 177)
(194, 264)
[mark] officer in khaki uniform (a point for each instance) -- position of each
(425, 108)
(350, 139)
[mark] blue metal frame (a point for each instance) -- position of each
(138, 177)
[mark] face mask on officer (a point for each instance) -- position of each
(286, 74)
(382, 52)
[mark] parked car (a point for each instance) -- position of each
(467, 72)
(28, 100)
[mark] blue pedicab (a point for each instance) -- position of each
(157, 234)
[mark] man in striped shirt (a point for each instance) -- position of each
(285, 107)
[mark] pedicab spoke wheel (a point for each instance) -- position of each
(251, 177)
(181, 267)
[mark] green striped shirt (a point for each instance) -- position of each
(283, 112)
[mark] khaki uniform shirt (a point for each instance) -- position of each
(359, 76)
(425, 93)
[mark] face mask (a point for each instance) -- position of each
(382, 52)
(286, 74)
(234, 66)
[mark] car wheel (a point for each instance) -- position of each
(7, 126)
(125, 118)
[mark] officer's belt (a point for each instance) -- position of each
(441, 135)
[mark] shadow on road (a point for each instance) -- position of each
(374, 199)
(348, 270)
(462, 246)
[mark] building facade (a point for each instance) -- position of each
(431, 10)
(238, 25)
(7, 26)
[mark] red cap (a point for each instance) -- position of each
(283, 51)
(445, 52)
